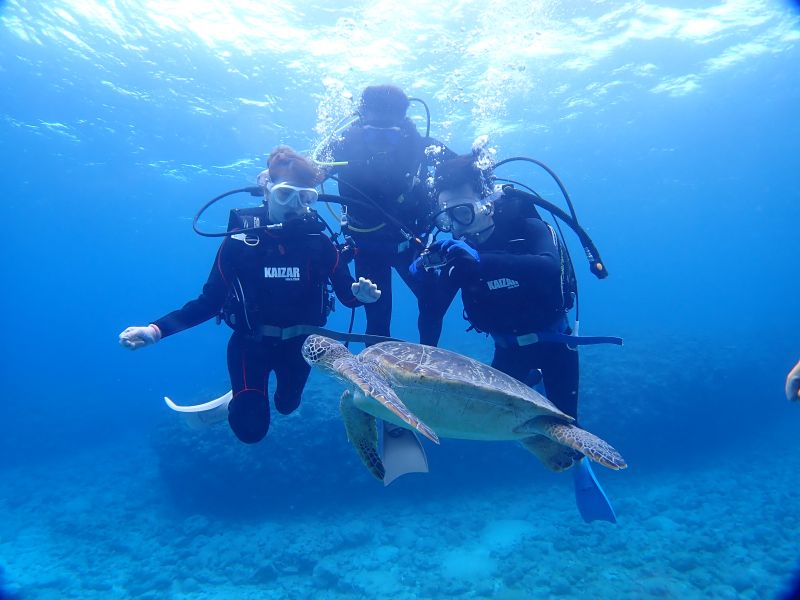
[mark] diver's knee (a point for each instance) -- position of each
(286, 404)
(248, 416)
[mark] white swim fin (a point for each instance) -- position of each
(201, 416)
(401, 452)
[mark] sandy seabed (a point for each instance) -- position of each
(98, 526)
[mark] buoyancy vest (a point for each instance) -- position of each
(387, 174)
(498, 302)
(278, 278)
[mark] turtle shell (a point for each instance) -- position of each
(455, 375)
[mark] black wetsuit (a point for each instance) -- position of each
(276, 279)
(520, 286)
(393, 176)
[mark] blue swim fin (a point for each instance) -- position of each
(592, 501)
(401, 452)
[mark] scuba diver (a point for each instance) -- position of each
(793, 384)
(270, 282)
(381, 160)
(517, 285)
(381, 165)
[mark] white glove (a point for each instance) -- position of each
(134, 338)
(365, 291)
(793, 384)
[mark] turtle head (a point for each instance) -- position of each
(322, 352)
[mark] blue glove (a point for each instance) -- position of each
(416, 269)
(460, 250)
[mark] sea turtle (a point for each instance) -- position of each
(441, 393)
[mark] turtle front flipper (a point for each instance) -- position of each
(374, 386)
(362, 432)
(579, 439)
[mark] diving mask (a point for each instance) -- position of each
(461, 213)
(382, 136)
(285, 194)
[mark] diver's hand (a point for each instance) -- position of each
(793, 384)
(430, 259)
(134, 338)
(416, 269)
(365, 291)
(460, 250)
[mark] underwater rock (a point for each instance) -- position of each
(189, 585)
(356, 533)
(326, 573)
(211, 472)
(502, 535)
(721, 592)
(8, 589)
(141, 582)
(195, 525)
(266, 573)
(684, 561)
(660, 523)
(295, 562)
(467, 565)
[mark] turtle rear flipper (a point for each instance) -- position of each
(579, 439)
(374, 386)
(554, 456)
(362, 433)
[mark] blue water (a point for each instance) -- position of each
(673, 125)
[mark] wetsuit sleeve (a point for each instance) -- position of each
(341, 280)
(537, 266)
(438, 287)
(206, 305)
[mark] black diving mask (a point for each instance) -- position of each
(463, 214)
(382, 136)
